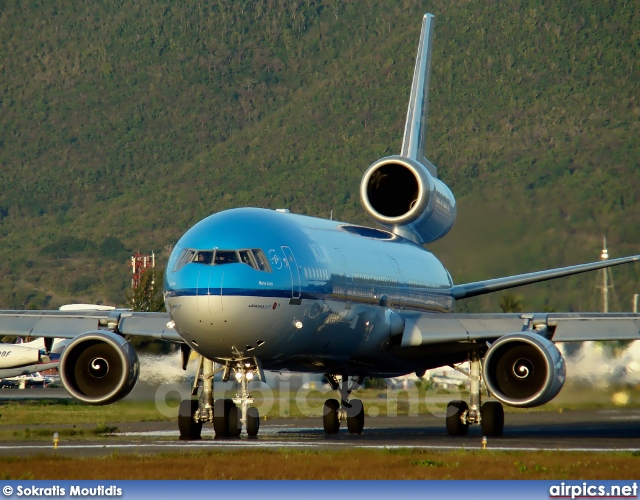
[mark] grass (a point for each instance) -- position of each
(46, 412)
(311, 464)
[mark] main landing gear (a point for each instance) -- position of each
(489, 415)
(229, 416)
(349, 410)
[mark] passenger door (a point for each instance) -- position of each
(292, 265)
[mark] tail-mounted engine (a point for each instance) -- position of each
(99, 367)
(524, 370)
(402, 195)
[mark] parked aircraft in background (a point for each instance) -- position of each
(22, 359)
(252, 289)
(23, 381)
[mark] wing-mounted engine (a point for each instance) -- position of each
(524, 370)
(99, 367)
(401, 194)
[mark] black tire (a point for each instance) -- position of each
(253, 422)
(330, 420)
(355, 416)
(235, 425)
(189, 430)
(492, 418)
(455, 427)
(221, 410)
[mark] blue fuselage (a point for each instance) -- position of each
(298, 292)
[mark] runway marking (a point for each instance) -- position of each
(302, 444)
(271, 430)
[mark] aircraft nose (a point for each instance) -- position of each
(209, 290)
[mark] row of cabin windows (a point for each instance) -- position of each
(254, 258)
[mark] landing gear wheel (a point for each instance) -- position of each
(455, 426)
(492, 418)
(221, 414)
(253, 422)
(330, 420)
(235, 426)
(189, 430)
(355, 416)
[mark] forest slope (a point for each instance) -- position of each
(121, 124)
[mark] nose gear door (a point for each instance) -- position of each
(290, 262)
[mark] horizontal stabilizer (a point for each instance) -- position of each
(497, 284)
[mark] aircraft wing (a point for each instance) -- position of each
(69, 324)
(422, 329)
(497, 284)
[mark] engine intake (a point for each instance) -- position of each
(524, 370)
(400, 194)
(99, 367)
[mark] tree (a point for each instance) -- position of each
(147, 296)
(510, 303)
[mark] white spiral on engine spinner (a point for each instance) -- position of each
(520, 370)
(99, 367)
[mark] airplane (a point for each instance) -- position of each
(253, 289)
(27, 358)
(24, 381)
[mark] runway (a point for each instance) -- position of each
(603, 430)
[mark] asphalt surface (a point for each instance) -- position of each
(578, 430)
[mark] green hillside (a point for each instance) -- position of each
(121, 124)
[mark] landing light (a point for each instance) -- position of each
(297, 324)
(249, 375)
(238, 376)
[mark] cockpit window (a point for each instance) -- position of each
(226, 257)
(204, 257)
(261, 260)
(254, 258)
(185, 257)
(247, 258)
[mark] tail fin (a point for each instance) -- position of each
(415, 130)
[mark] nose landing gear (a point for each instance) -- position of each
(229, 416)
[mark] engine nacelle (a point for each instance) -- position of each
(99, 367)
(400, 194)
(524, 370)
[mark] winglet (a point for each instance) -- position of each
(415, 130)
